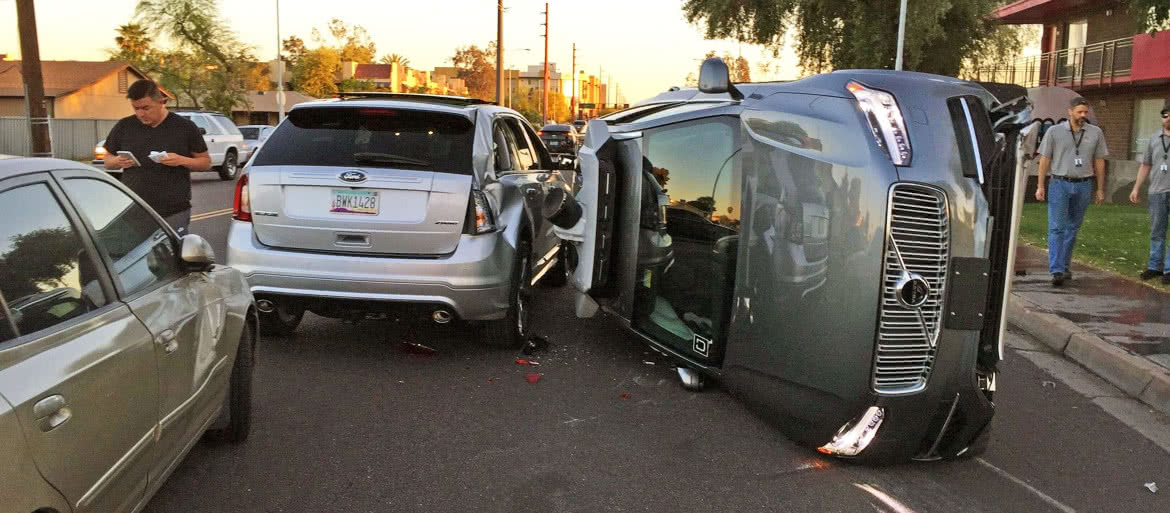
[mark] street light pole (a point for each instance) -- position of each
(901, 36)
(500, 53)
(279, 68)
(544, 109)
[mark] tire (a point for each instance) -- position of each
(230, 167)
(558, 276)
(239, 396)
(510, 331)
(281, 322)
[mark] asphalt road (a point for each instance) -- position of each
(346, 421)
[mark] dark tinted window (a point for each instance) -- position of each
(250, 132)
(142, 252)
(46, 276)
(371, 137)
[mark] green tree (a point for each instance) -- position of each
(1151, 15)
(294, 48)
(134, 44)
(476, 66)
(840, 34)
(315, 72)
(200, 40)
(355, 84)
(737, 67)
(352, 42)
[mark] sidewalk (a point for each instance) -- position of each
(1116, 328)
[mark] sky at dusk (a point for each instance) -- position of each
(641, 46)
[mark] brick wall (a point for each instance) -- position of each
(1116, 25)
(1115, 117)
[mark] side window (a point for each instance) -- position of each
(691, 161)
(539, 152)
(502, 147)
(139, 247)
(201, 121)
(227, 126)
(524, 152)
(46, 275)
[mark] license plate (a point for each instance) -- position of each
(354, 202)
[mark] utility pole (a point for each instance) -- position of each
(500, 53)
(573, 76)
(279, 68)
(544, 112)
(34, 85)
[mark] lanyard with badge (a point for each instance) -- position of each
(1165, 150)
(1078, 161)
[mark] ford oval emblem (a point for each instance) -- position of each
(912, 290)
(352, 176)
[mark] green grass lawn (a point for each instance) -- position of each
(1114, 237)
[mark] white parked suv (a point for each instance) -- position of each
(225, 143)
(367, 203)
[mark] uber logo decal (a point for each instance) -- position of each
(702, 345)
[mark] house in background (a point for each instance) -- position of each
(78, 89)
(264, 109)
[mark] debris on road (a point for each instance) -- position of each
(521, 361)
(625, 395)
(647, 362)
(416, 348)
(534, 344)
(1048, 384)
(1153, 487)
(533, 377)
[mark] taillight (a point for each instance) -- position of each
(481, 210)
(242, 205)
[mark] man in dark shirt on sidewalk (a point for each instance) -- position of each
(166, 184)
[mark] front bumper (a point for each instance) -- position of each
(473, 282)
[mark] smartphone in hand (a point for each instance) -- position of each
(131, 157)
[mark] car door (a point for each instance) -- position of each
(80, 367)
(183, 311)
(213, 136)
(531, 158)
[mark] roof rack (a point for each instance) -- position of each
(458, 101)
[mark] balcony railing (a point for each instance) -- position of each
(1097, 64)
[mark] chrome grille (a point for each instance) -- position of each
(917, 241)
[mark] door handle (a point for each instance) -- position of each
(166, 339)
(51, 412)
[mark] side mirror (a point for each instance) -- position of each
(714, 78)
(196, 252)
(202, 131)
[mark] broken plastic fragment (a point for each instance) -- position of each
(648, 362)
(535, 344)
(415, 348)
(533, 377)
(520, 361)
(1153, 487)
(1048, 384)
(625, 395)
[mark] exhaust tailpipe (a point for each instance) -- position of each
(441, 316)
(265, 306)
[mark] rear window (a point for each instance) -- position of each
(371, 137)
(227, 125)
(250, 132)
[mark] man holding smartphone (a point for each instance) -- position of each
(166, 184)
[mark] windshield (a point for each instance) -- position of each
(250, 132)
(371, 137)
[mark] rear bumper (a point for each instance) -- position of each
(473, 282)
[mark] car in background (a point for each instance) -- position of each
(254, 136)
(580, 126)
(379, 202)
(225, 144)
(560, 139)
(122, 343)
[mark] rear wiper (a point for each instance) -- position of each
(388, 158)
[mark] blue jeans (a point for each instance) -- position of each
(1159, 209)
(1067, 203)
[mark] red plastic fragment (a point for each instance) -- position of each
(533, 377)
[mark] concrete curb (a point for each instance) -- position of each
(1137, 376)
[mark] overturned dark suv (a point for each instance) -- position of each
(835, 250)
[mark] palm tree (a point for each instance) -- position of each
(394, 58)
(133, 43)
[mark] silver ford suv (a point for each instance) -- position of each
(366, 203)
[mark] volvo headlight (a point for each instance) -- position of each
(885, 121)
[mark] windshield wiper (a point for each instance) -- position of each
(388, 158)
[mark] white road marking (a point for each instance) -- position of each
(1044, 497)
(893, 503)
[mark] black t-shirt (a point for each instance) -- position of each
(166, 189)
